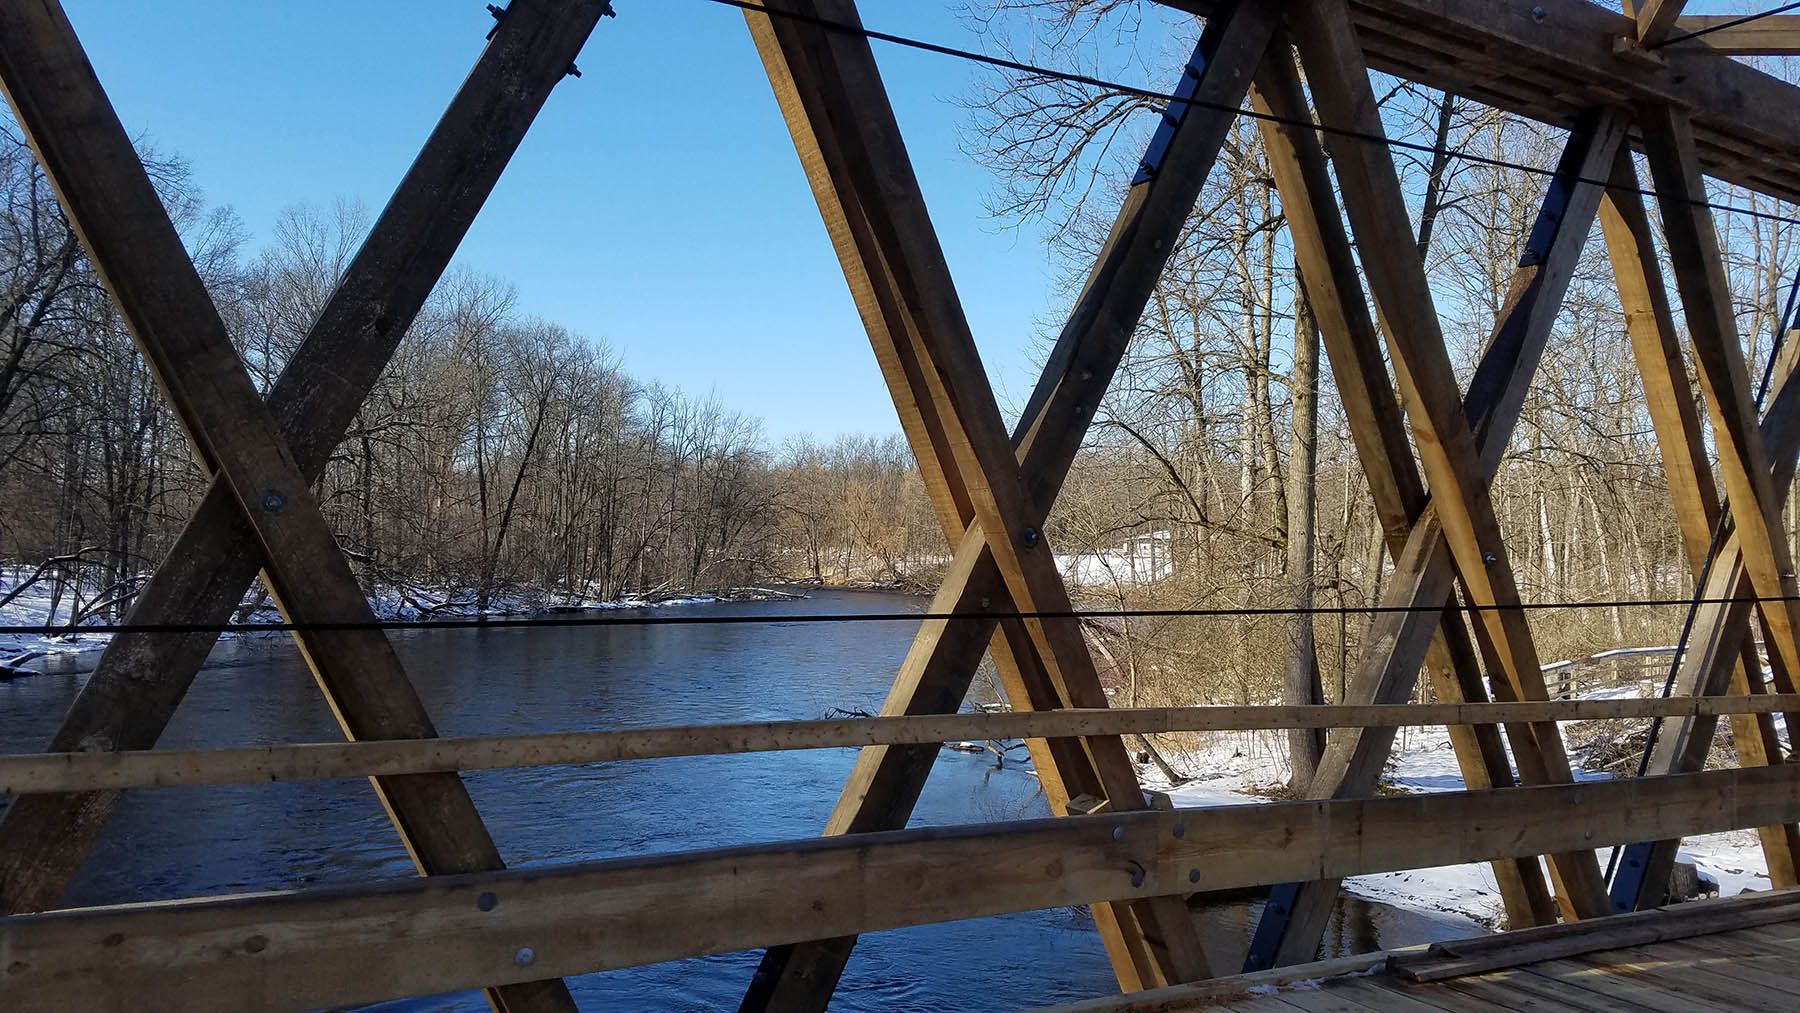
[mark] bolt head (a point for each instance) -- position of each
(525, 957)
(1193, 875)
(1118, 833)
(273, 501)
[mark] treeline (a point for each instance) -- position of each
(500, 453)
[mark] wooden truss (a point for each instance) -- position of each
(1688, 108)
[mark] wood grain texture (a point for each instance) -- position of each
(141, 679)
(167, 768)
(1721, 656)
(860, 175)
(341, 947)
(1334, 289)
(1560, 66)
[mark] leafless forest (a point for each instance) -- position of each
(502, 451)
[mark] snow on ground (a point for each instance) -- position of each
(32, 608)
(21, 653)
(1237, 767)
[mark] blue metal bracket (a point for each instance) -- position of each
(1276, 913)
(1628, 880)
(1173, 115)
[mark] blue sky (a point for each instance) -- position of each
(656, 204)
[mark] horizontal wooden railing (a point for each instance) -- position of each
(71, 772)
(337, 947)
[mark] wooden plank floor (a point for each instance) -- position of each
(1741, 953)
(1747, 969)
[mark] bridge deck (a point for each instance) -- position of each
(1735, 954)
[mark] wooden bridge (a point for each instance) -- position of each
(1429, 449)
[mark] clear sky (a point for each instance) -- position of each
(657, 203)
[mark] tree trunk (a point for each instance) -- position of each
(1305, 745)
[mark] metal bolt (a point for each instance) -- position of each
(1489, 559)
(1180, 830)
(524, 957)
(1193, 875)
(1118, 833)
(1029, 537)
(1538, 14)
(1137, 877)
(486, 901)
(273, 501)
(1588, 834)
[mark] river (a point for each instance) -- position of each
(180, 842)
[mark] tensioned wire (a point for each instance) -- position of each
(1721, 26)
(608, 617)
(1139, 91)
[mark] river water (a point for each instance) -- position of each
(180, 842)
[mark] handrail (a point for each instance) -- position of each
(106, 771)
(342, 946)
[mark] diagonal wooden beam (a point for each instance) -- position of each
(1460, 527)
(1719, 656)
(886, 781)
(1656, 18)
(141, 678)
(1743, 460)
(1328, 265)
(1424, 573)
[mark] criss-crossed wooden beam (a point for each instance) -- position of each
(872, 208)
(1424, 573)
(1459, 527)
(1743, 460)
(1719, 655)
(1334, 291)
(263, 458)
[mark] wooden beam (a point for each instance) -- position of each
(1744, 464)
(1655, 19)
(313, 761)
(1720, 656)
(110, 202)
(1772, 36)
(1461, 523)
(342, 947)
(1553, 60)
(1419, 962)
(1334, 290)
(896, 273)
(129, 698)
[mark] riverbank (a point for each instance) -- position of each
(1251, 768)
(75, 650)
